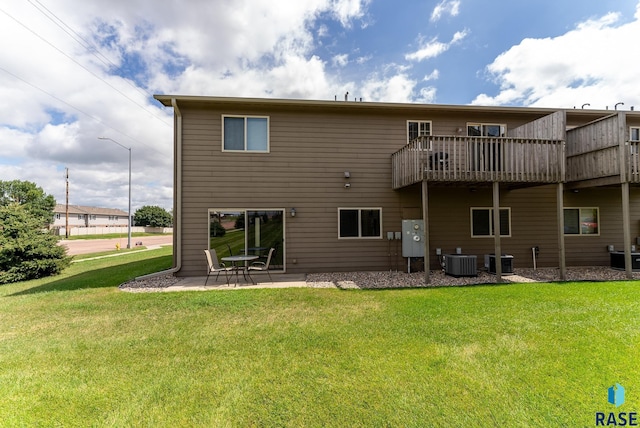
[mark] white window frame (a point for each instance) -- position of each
(245, 117)
(503, 127)
(491, 225)
(580, 226)
(420, 122)
(359, 209)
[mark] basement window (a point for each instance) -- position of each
(359, 223)
(581, 221)
(482, 225)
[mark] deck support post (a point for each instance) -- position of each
(626, 226)
(496, 230)
(425, 219)
(561, 248)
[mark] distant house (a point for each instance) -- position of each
(81, 216)
(329, 184)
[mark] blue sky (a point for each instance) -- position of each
(71, 72)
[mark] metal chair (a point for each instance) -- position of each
(261, 266)
(215, 267)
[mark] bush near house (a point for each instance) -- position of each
(26, 250)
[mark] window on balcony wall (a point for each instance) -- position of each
(482, 225)
(486, 130)
(245, 134)
(359, 223)
(581, 221)
(418, 128)
(634, 139)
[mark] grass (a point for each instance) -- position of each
(75, 351)
(108, 253)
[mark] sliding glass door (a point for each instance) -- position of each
(235, 232)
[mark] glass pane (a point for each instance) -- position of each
(425, 128)
(226, 233)
(266, 231)
(493, 131)
(370, 222)
(589, 221)
(234, 133)
(480, 222)
(257, 134)
(571, 222)
(504, 223)
(635, 134)
(348, 223)
(474, 130)
(413, 131)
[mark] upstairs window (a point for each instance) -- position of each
(486, 130)
(245, 134)
(418, 128)
(634, 133)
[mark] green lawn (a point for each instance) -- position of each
(75, 351)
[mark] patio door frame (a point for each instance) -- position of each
(245, 211)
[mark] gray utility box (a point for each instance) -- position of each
(413, 235)
(617, 261)
(458, 265)
(507, 263)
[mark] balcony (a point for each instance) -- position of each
(455, 159)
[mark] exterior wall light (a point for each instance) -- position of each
(293, 212)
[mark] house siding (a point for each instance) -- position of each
(312, 147)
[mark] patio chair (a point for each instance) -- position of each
(215, 267)
(439, 161)
(261, 266)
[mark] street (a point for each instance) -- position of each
(86, 246)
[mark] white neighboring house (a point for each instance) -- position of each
(81, 216)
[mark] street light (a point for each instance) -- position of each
(129, 213)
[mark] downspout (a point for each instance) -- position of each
(177, 196)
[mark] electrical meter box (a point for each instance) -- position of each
(413, 238)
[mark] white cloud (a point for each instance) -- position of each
(58, 108)
(590, 64)
(435, 74)
(393, 84)
(434, 48)
(340, 60)
(451, 7)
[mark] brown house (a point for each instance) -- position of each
(329, 183)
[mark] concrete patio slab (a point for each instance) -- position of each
(262, 281)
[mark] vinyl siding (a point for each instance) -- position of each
(311, 148)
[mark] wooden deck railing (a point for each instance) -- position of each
(479, 159)
(633, 171)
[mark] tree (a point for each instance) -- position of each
(152, 216)
(26, 250)
(29, 195)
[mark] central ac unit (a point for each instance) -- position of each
(460, 265)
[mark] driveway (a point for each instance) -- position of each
(86, 246)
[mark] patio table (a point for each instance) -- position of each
(236, 260)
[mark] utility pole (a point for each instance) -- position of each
(66, 222)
